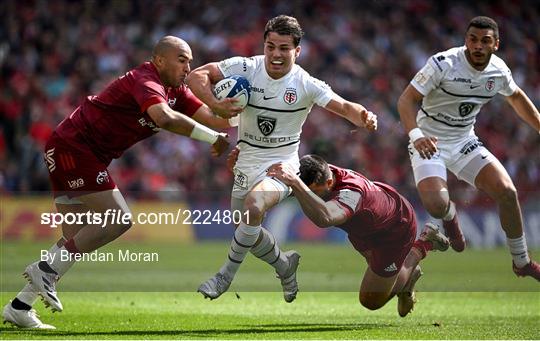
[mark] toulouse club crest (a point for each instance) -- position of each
(490, 84)
(290, 96)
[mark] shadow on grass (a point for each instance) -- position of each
(206, 333)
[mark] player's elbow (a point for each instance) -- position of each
(191, 78)
(195, 77)
(323, 220)
(402, 103)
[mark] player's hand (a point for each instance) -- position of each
(426, 146)
(369, 120)
(283, 172)
(220, 146)
(232, 158)
(227, 108)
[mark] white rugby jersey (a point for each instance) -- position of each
(454, 92)
(271, 124)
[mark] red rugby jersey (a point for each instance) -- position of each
(116, 118)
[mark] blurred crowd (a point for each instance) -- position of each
(54, 53)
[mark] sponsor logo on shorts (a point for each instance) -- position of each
(390, 268)
(240, 180)
(49, 154)
(102, 177)
(470, 146)
(77, 183)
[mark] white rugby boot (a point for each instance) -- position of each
(27, 319)
(288, 280)
(215, 286)
(44, 284)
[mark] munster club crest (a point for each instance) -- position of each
(290, 96)
(266, 124)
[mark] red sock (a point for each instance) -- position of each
(423, 246)
(70, 246)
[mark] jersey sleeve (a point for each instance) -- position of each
(186, 102)
(148, 92)
(242, 66)
(509, 85)
(321, 92)
(429, 77)
(348, 199)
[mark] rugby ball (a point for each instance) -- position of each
(234, 87)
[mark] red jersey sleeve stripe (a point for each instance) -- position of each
(151, 101)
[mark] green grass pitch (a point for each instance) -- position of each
(472, 295)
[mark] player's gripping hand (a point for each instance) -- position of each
(232, 158)
(369, 120)
(283, 172)
(226, 108)
(220, 146)
(426, 146)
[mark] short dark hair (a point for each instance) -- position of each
(314, 169)
(285, 25)
(485, 22)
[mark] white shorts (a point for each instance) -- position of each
(247, 177)
(465, 159)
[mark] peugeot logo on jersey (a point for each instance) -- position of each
(266, 124)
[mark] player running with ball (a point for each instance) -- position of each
(282, 95)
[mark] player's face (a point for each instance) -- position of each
(177, 65)
(481, 44)
(321, 190)
(279, 54)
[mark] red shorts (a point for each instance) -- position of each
(74, 170)
(386, 251)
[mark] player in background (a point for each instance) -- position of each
(450, 90)
(135, 106)
(282, 95)
(380, 224)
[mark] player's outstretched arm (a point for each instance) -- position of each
(353, 112)
(322, 213)
(205, 116)
(408, 104)
(200, 82)
(175, 122)
(525, 108)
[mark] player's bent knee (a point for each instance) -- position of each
(254, 208)
(506, 193)
(372, 300)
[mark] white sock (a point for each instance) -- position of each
(244, 238)
(60, 265)
(451, 212)
(27, 294)
(269, 251)
(518, 250)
